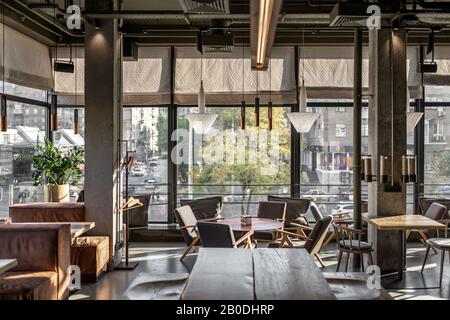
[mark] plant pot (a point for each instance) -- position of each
(57, 193)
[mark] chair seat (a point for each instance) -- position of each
(439, 243)
(29, 285)
(355, 245)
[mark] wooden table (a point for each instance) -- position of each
(258, 224)
(76, 228)
(259, 274)
(7, 264)
(401, 224)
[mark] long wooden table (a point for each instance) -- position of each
(76, 228)
(7, 264)
(402, 223)
(259, 274)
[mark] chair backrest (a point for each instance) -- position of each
(215, 235)
(317, 235)
(436, 211)
(185, 217)
(295, 208)
(425, 204)
(317, 214)
(205, 208)
(272, 210)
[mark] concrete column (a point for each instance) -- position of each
(103, 124)
(387, 136)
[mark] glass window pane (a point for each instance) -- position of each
(437, 151)
(243, 166)
(26, 129)
(327, 159)
(146, 129)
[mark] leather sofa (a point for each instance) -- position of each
(43, 255)
(90, 253)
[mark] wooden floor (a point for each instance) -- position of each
(162, 258)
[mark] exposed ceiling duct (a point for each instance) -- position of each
(355, 13)
(205, 6)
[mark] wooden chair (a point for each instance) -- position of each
(349, 241)
(435, 212)
(312, 243)
(204, 208)
(188, 227)
(442, 244)
(270, 210)
(216, 235)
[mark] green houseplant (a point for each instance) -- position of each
(57, 169)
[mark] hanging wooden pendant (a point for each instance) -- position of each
(243, 115)
(54, 113)
(75, 121)
(257, 112)
(269, 113)
(3, 118)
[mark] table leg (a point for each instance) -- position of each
(402, 262)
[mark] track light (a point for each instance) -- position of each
(264, 19)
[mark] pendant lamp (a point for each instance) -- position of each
(303, 121)
(202, 121)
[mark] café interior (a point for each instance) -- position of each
(224, 150)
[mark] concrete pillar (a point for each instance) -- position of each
(103, 118)
(387, 136)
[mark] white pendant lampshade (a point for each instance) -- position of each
(302, 121)
(412, 118)
(201, 122)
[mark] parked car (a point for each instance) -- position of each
(150, 183)
(443, 189)
(137, 172)
(318, 195)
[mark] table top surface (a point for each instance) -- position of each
(258, 224)
(258, 274)
(76, 228)
(7, 264)
(403, 222)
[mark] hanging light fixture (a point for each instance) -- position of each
(3, 103)
(201, 122)
(75, 111)
(257, 100)
(264, 16)
(412, 118)
(53, 96)
(269, 105)
(243, 88)
(303, 121)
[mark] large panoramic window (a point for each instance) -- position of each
(146, 130)
(244, 166)
(327, 157)
(437, 142)
(26, 129)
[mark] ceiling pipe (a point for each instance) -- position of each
(50, 20)
(139, 15)
(437, 5)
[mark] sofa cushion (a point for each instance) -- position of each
(47, 212)
(91, 254)
(29, 286)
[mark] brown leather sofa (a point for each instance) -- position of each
(90, 253)
(43, 255)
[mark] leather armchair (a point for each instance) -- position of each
(43, 255)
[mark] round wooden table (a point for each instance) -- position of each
(258, 224)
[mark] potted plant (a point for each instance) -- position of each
(57, 170)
